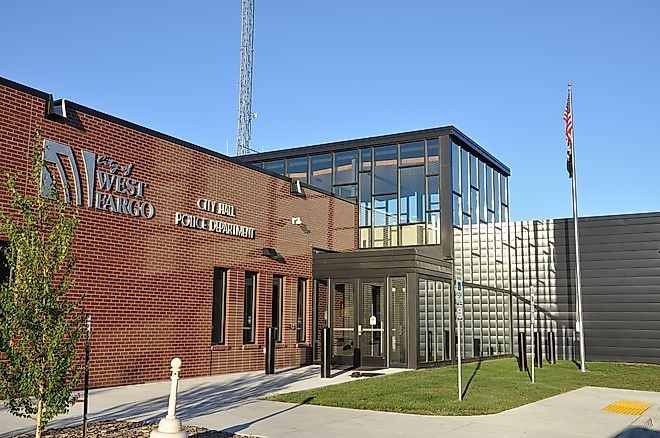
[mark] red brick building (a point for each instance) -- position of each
(170, 239)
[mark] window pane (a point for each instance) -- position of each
(412, 234)
(347, 192)
(473, 171)
(433, 184)
(249, 296)
(483, 200)
(474, 205)
(385, 169)
(465, 180)
(296, 168)
(489, 187)
(433, 156)
(365, 199)
(301, 307)
(276, 166)
(385, 236)
(365, 237)
(455, 167)
(365, 159)
(457, 209)
(411, 189)
(385, 210)
(276, 321)
(503, 189)
(219, 306)
(433, 228)
(496, 195)
(412, 154)
(321, 171)
(346, 167)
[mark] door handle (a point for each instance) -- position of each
(359, 329)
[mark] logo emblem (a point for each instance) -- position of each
(109, 184)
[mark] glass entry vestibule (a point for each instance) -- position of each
(369, 324)
(370, 301)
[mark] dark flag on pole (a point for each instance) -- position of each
(568, 118)
(570, 164)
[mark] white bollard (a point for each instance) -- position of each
(170, 426)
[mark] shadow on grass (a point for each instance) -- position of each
(474, 373)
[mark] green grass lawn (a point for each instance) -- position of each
(492, 386)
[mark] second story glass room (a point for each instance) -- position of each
(409, 186)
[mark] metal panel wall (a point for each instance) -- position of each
(620, 280)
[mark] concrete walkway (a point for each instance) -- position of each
(232, 403)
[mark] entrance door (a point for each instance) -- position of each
(371, 324)
(397, 322)
(358, 323)
(344, 309)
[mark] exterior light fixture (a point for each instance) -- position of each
(296, 188)
(272, 254)
(55, 109)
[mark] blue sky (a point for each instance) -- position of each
(343, 69)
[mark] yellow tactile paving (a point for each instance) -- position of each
(627, 407)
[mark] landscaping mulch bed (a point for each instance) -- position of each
(128, 429)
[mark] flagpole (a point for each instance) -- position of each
(579, 326)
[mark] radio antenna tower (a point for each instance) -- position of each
(244, 134)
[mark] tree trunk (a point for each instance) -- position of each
(40, 409)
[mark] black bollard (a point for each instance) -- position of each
(538, 346)
(522, 352)
(326, 353)
(553, 348)
(270, 350)
(429, 346)
(447, 345)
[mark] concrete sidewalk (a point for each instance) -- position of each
(232, 403)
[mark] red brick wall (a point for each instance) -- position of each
(149, 283)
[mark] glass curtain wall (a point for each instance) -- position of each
(397, 187)
(481, 250)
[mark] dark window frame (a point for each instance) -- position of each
(219, 310)
(5, 270)
(277, 306)
(249, 325)
(301, 310)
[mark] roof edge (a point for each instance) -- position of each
(375, 140)
(378, 140)
(148, 131)
(24, 88)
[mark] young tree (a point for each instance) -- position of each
(39, 326)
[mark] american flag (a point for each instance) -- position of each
(568, 118)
